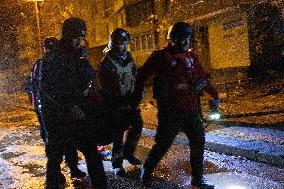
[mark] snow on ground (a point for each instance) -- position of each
(6, 174)
(254, 134)
(22, 152)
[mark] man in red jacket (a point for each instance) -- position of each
(179, 80)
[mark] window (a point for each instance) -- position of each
(120, 20)
(150, 41)
(132, 45)
(137, 43)
(122, 17)
(143, 42)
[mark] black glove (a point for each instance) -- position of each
(199, 85)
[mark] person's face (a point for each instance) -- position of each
(77, 42)
(183, 43)
(120, 47)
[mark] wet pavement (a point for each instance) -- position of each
(251, 125)
(22, 163)
(258, 149)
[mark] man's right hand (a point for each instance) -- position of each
(217, 102)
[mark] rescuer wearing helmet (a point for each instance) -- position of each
(66, 75)
(117, 73)
(178, 82)
(71, 155)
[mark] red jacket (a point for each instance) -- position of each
(180, 69)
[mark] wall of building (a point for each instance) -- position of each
(228, 41)
(224, 43)
(49, 18)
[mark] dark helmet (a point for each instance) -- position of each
(50, 42)
(73, 28)
(119, 34)
(179, 30)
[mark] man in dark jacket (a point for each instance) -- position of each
(179, 80)
(117, 73)
(71, 156)
(66, 75)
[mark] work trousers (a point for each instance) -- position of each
(122, 147)
(170, 122)
(62, 133)
(71, 154)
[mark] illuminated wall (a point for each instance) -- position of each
(228, 41)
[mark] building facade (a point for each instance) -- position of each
(228, 37)
(231, 37)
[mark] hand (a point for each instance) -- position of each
(217, 102)
(77, 113)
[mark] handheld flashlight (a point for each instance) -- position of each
(214, 113)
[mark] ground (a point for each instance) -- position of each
(22, 157)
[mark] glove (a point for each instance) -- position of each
(199, 85)
(217, 102)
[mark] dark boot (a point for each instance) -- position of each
(132, 138)
(54, 178)
(117, 166)
(197, 141)
(154, 156)
(95, 167)
(201, 183)
(119, 171)
(51, 186)
(145, 176)
(77, 173)
(71, 158)
(132, 160)
(61, 178)
(54, 186)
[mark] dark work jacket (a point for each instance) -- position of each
(66, 74)
(177, 72)
(117, 79)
